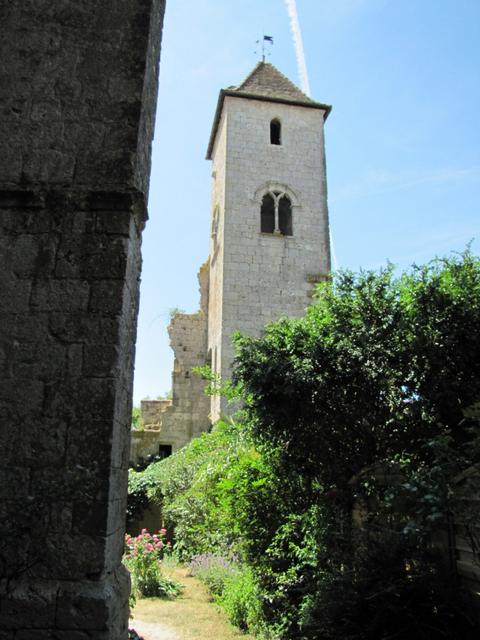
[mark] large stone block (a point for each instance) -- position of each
(29, 605)
(98, 605)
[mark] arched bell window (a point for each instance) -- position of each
(267, 214)
(285, 215)
(275, 132)
(276, 214)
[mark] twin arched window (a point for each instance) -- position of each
(276, 213)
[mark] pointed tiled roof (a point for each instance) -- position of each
(266, 83)
(265, 80)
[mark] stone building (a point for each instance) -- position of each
(269, 233)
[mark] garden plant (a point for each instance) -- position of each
(327, 492)
(143, 558)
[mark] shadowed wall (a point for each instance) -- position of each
(78, 84)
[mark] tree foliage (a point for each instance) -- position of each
(378, 366)
(355, 421)
(364, 402)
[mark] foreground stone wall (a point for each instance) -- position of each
(77, 102)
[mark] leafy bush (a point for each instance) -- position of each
(365, 406)
(143, 558)
(197, 488)
(383, 595)
(232, 585)
(213, 570)
(138, 501)
(137, 422)
(380, 375)
(240, 599)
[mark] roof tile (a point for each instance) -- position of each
(266, 80)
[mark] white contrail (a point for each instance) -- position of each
(298, 43)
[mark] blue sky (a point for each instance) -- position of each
(402, 141)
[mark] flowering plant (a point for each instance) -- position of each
(214, 570)
(143, 556)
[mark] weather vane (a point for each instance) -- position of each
(263, 41)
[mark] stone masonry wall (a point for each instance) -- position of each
(266, 276)
(151, 411)
(77, 102)
(189, 414)
(217, 255)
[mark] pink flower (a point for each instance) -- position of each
(144, 531)
(159, 544)
(163, 532)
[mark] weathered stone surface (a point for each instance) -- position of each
(176, 423)
(251, 277)
(29, 606)
(77, 103)
(96, 605)
(255, 277)
(69, 83)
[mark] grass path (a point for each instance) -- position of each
(191, 616)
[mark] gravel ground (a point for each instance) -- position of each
(154, 630)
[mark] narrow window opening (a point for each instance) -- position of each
(275, 132)
(285, 216)
(267, 214)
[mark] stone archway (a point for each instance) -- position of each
(78, 85)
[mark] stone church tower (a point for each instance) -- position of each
(269, 235)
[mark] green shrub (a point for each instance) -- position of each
(382, 595)
(240, 599)
(143, 557)
(197, 488)
(213, 570)
(138, 500)
(366, 402)
(381, 373)
(232, 585)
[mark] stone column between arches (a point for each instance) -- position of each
(78, 84)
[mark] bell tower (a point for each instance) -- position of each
(269, 231)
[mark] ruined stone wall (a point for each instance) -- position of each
(151, 412)
(188, 415)
(144, 443)
(266, 276)
(77, 101)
